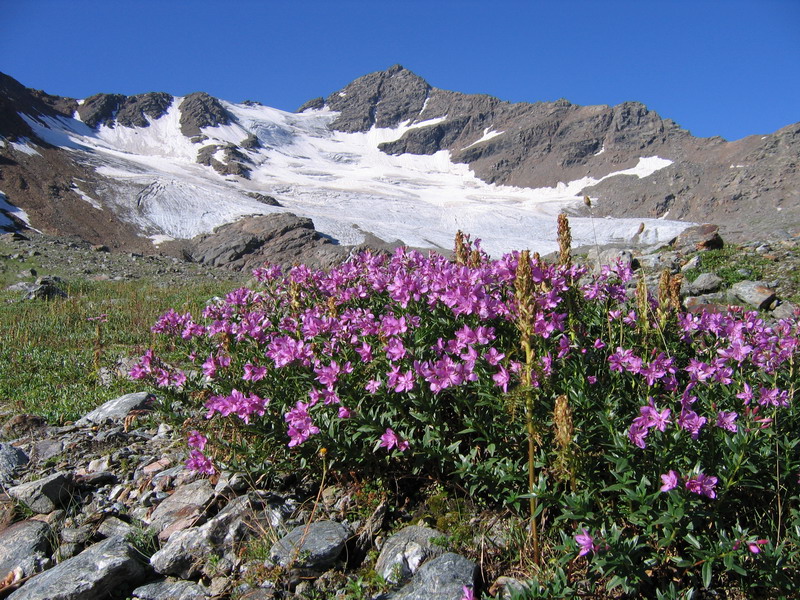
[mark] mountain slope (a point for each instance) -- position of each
(388, 154)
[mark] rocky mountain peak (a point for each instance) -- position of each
(381, 99)
(200, 110)
(16, 98)
(100, 109)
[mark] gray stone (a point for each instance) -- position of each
(172, 589)
(115, 527)
(659, 261)
(404, 552)
(46, 494)
(183, 508)
(24, 544)
(706, 283)
(506, 588)
(11, 457)
(699, 237)
(186, 551)
(77, 535)
(282, 238)
(441, 578)
(107, 569)
(116, 409)
(785, 310)
(705, 302)
(314, 546)
(754, 293)
(45, 288)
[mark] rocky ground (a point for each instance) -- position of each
(103, 507)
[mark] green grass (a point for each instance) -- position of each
(727, 262)
(48, 363)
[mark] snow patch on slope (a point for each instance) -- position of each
(15, 211)
(340, 180)
(487, 135)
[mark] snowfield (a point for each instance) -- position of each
(340, 180)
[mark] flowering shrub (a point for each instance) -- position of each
(655, 446)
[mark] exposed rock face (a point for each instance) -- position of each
(314, 547)
(200, 110)
(135, 109)
(233, 162)
(313, 104)
(382, 99)
(743, 184)
(100, 109)
(281, 239)
(99, 572)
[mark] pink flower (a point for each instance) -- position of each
(586, 543)
(727, 420)
(196, 440)
(702, 484)
(254, 373)
(754, 546)
(468, 593)
(670, 481)
(200, 462)
(390, 439)
(501, 379)
(344, 412)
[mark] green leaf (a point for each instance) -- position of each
(692, 540)
(707, 573)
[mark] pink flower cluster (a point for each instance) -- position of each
(702, 484)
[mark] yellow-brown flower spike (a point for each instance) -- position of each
(461, 249)
(564, 432)
(675, 292)
(564, 241)
(642, 303)
(523, 291)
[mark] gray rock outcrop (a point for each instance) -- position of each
(315, 547)
(117, 409)
(200, 110)
(46, 494)
(441, 578)
(25, 545)
(404, 552)
(279, 238)
(105, 570)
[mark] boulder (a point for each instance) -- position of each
(279, 239)
(785, 310)
(705, 283)
(441, 578)
(185, 552)
(315, 546)
(116, 409)
(404, 552)
(11, 458)
(25, 545)
(46, 494)
(753, 293)
(172, 589)
(107, 569)
(699, 237)
(183, 508)
(45, 288)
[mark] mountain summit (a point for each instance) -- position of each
(388, 154)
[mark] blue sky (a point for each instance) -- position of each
(726, 67)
